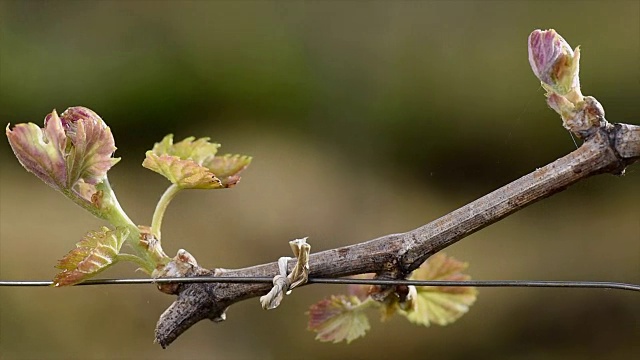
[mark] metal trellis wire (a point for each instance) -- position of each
(254, 280)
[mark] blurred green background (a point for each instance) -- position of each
(364, 118)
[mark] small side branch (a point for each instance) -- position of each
(608, 150)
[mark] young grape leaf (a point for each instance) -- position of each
(440, 305)
(192, 164)
(199, 150)
(228, 167)
(94, 253)
(338, 318)
(187, 174)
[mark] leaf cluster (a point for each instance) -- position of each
(73, 153)
(343, 318)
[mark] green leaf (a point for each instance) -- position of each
(93, 254)
(198, 151)
(192, 164)
(227, 168)
(440, 305)
(338, 318)
(186, 174)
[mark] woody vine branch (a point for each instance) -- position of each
(607, 148)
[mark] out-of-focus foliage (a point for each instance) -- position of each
(440, 305)
(338, 318)
(341, 318)
(363, 119)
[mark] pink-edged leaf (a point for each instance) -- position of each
(338, 318)
(440, 305)
(93, 254)
(228, 167)
(198, 151)
(186, 174)
(41, 151)
(90, 156)
(192, 164)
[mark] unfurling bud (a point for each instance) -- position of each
(72, 153)
(554, 63)
(557, 67)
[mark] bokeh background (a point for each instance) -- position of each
(364, 118)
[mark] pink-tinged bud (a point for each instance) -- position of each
(74, 148)
(554, 63)
(73, 115)
(93, 144)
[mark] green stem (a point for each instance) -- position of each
(158, 214)
(367, 303)
(137, 260)
(116, 215)
(111, 211)
(119, 218)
